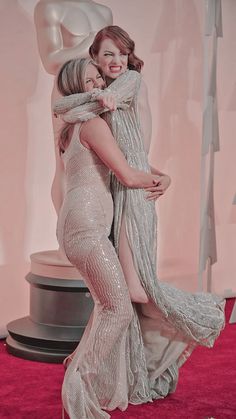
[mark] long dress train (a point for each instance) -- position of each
(156, 345)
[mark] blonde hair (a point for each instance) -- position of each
(70, 80)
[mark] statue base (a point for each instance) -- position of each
(60, 307)
(233, 314)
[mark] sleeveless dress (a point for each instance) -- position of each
(156, 345)
(97, 375)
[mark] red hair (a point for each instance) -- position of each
(122, 40)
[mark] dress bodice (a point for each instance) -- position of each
(83, 168)
(87, 204)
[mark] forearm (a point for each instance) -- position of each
(79, 106)
(67, 103)
(125, 87)
(123, 90)
(136, 179)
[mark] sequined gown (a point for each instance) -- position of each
(156, 345)
(97, 375)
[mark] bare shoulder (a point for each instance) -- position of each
(94, 128)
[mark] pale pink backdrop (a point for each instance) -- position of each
(169, 37)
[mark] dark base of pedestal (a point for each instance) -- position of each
(59, 312)
(40, 342)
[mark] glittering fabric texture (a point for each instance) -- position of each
(128, 354)
(97, 375)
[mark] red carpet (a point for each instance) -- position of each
(206, 389)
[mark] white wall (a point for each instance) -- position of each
(168, 35)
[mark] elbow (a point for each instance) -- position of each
(123, 179)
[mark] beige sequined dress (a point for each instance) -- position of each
(137, 359)
(97, 375)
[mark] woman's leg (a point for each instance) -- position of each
(137, 293)
(97, 376)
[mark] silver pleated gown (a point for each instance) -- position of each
(124, 357)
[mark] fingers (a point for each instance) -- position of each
(156, 180)
(153, 196)
(108, 102)
(154, 189)
(157, 188)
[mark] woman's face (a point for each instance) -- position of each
(111, 60)
(93, 78)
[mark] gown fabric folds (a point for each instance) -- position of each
(128, 354)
